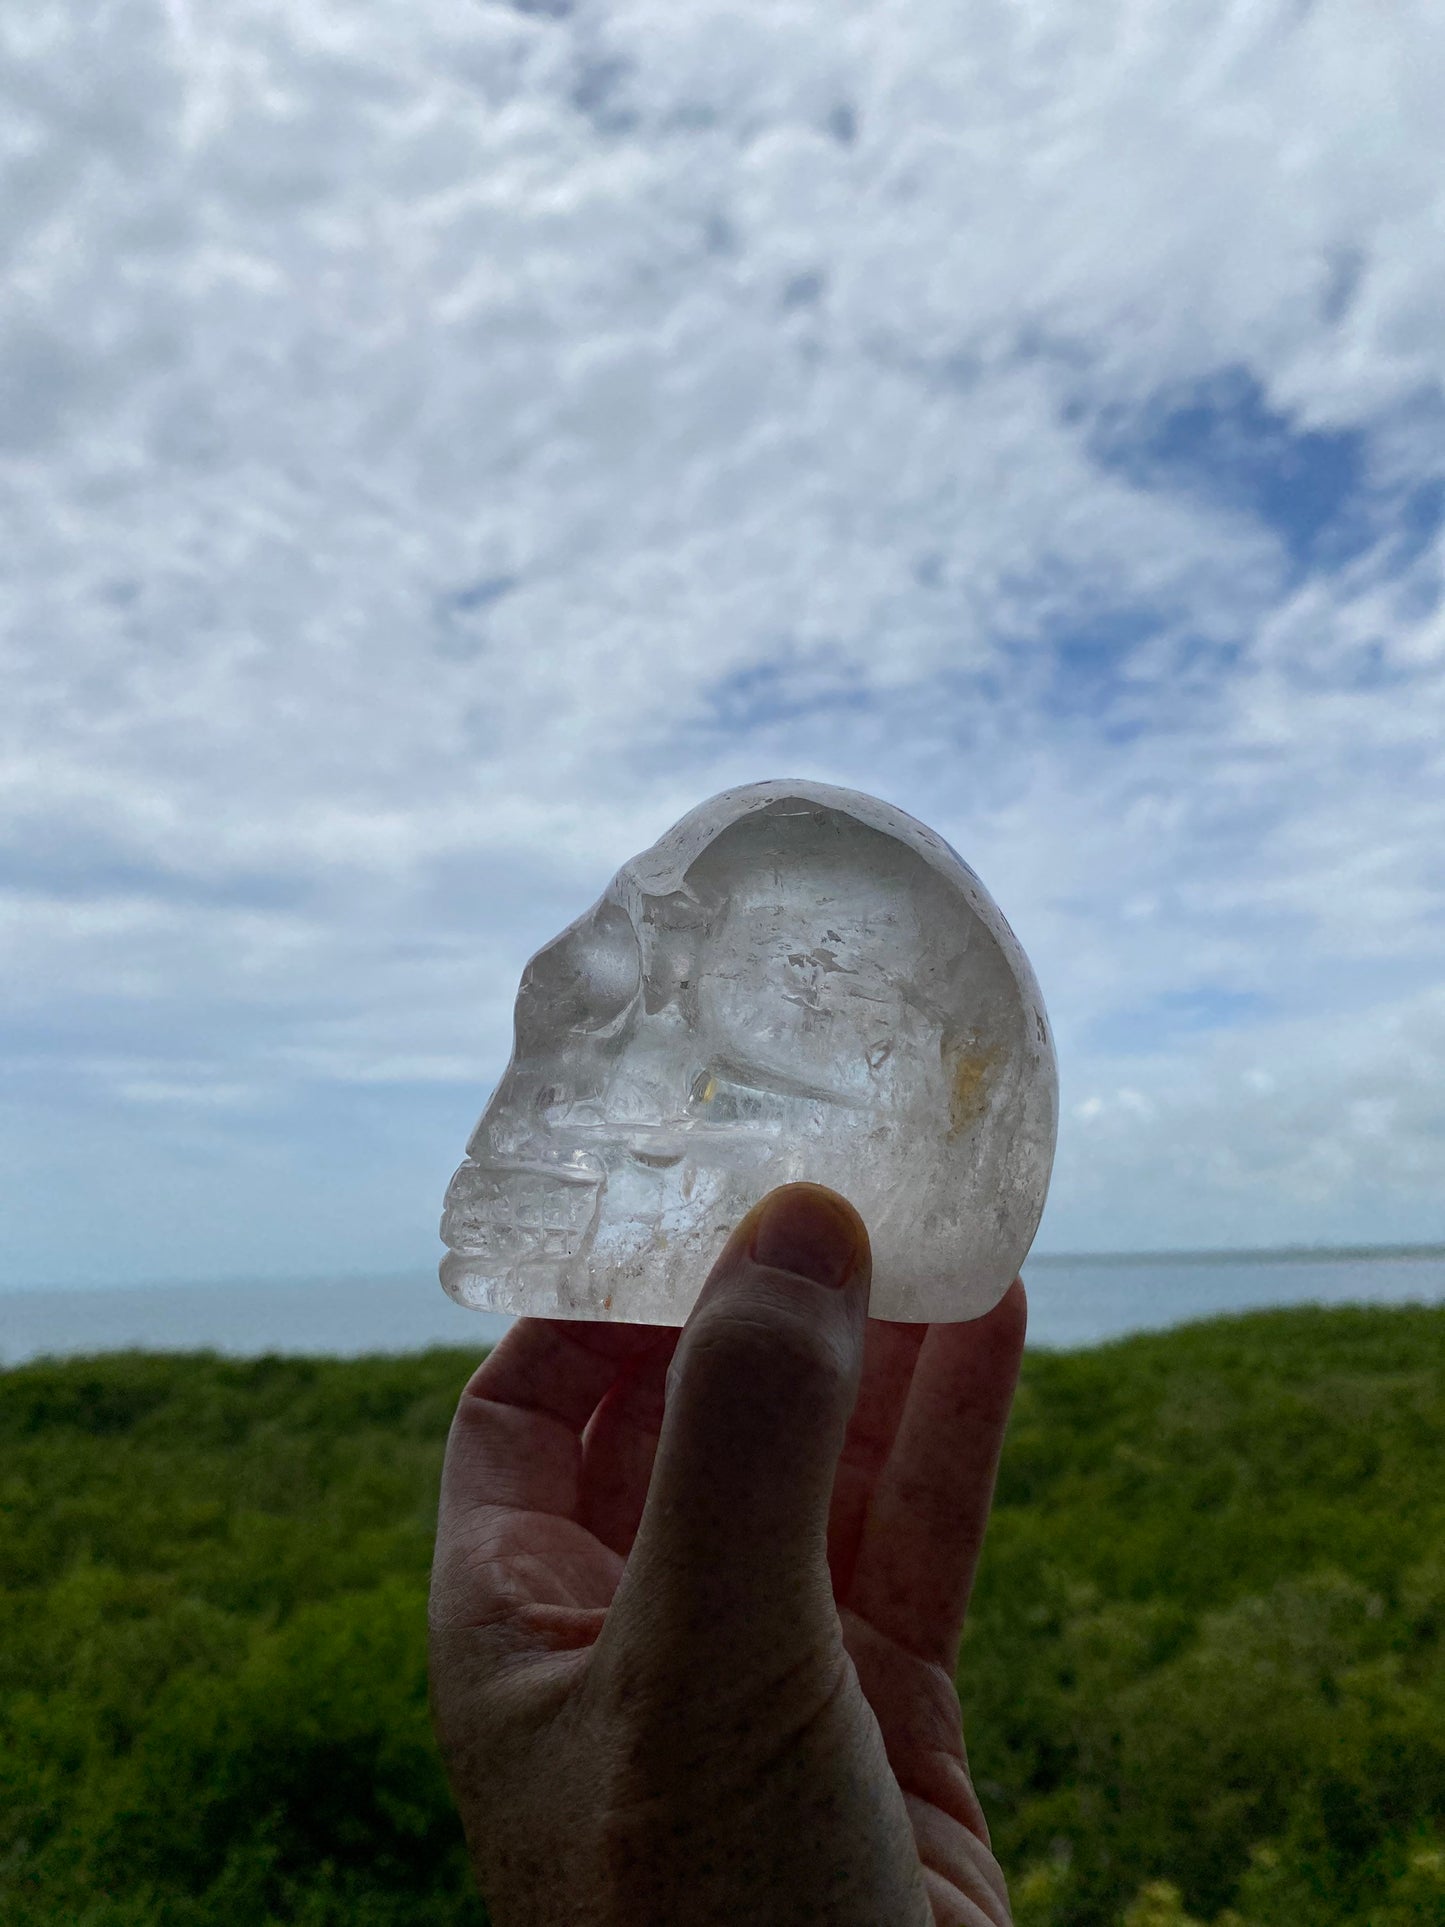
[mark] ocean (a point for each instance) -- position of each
(1073, 1301)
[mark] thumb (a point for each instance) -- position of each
(732, 1546)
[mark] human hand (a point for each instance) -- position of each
(698, 1596)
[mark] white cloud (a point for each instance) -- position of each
(418, 426)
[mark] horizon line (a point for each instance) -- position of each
(1237, 1255)
(1227, 1255)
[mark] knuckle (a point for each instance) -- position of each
(767, 1350)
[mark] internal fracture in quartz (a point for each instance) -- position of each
(795, 982)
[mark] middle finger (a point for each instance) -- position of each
(619, 1446)
(890, 1353)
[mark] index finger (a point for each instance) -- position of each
(516, 1440)
(925, 1527)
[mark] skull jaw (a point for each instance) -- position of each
(557, 1232)
(629, 1230)
(508, 1220)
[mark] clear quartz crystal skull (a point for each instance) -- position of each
(796, 981)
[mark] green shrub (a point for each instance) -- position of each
(1207, 1652)
(212, 1645)
(1204, 1676)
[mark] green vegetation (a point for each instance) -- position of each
(212, 1665)
(1208, 1646)
(1205, 1677)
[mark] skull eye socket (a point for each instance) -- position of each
(588, 978)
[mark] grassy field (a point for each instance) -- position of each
(1204, 1680)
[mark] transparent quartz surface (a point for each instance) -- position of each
(796, 981)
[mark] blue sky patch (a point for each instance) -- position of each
(1222, 440)
(57, 868)
(461, 614)
(1087, 676)
(1418, 520)
(1175, 1016)
(765, 694)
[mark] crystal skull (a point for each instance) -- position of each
(796, 981)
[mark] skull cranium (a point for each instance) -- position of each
(796, 981)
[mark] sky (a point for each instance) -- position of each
(442, 443)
